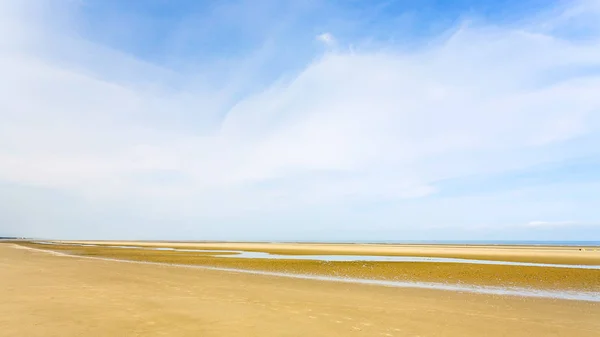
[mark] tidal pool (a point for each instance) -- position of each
(490, 290)
(239, 254)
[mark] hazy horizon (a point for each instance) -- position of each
(466, 242)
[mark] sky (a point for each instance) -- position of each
(300, 120)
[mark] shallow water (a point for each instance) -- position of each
(347, 258)
(376, 258)
(490, 290)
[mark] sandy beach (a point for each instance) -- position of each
(555, 279)
(551, 254)
(303, 168)
(47, 295)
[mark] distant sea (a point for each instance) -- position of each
(428, 242)
(466, 242)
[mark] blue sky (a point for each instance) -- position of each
(300, 120)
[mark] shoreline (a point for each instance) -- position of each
(528, 254)
(593, 244)
(325, 258)
(461, 274)
(501, 291)
(483, 290)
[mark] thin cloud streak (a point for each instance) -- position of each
(558, 224)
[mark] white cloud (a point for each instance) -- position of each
(327, 38)
(362, 126)
(552, 223)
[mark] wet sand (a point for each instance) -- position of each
(46, 295)
(559, 279)
(542, 254)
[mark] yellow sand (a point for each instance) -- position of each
(46, 295)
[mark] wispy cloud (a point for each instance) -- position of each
(327, 39)
(327, 129)
(552, 223)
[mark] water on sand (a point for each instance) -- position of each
(372, 258)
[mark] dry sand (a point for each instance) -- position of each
(46, 295)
